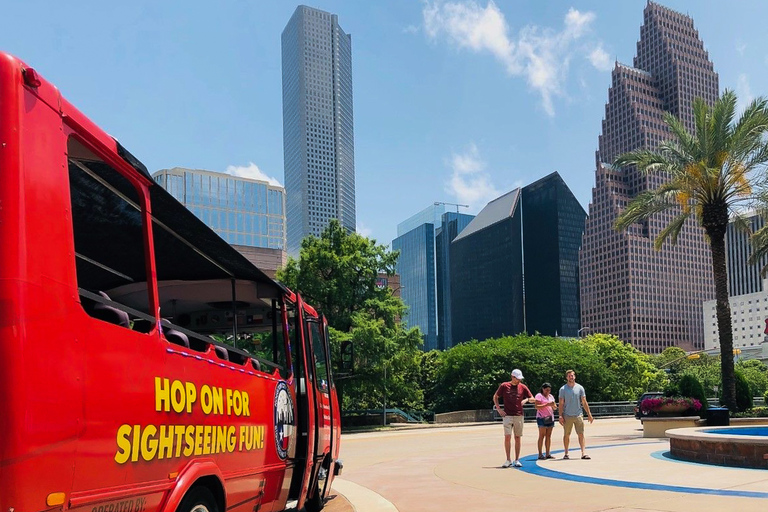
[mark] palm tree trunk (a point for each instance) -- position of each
(715, 223)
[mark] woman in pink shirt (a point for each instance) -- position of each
(545, 418)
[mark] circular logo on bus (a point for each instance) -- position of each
(283, 419)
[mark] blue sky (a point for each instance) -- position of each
(455, 101)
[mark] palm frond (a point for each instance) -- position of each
(642, 207)
(671, 231)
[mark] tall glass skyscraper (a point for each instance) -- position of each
(242, 211)
(423, 266)
(651, 299)
(318, 138)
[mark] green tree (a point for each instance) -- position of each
(756, 374)
(708, 176)
(743, 393)
(337, 274)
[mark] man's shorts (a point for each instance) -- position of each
(574, 421)
(513, 423)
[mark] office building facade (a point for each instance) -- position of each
(651, 299)
(514, 268)
(749, 321)
(248, 214)
(743, 278)
(424, 241)
(451, 224)
(318, 135)
(416, 268)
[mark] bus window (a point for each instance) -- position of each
(318, 354)
(269, 344)
(106, 207)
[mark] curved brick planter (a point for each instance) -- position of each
(697, 444)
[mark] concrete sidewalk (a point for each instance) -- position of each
(449, 468)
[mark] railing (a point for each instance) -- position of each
(598, 409)
(606, 409)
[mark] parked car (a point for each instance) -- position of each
(648, 394)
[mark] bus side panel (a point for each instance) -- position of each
(139, 386)
(41, 391)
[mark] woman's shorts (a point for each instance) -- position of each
(542, 423)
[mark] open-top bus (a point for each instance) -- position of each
(122, 387)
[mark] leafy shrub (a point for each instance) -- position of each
(690, 386)
(743, 393)
(765, 398)
(672, 389)
(757, 412)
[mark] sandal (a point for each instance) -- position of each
(549, 457)
(541, 457)
(585, 457)
(566, 457)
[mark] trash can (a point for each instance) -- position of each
(718, 417)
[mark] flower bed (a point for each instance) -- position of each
(669, 406)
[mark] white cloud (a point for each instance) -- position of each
(468, 183)
(363, 230)
(600, 59)
(411, 29)
(743, 92)
(251, 171)
(741, 47)
(541, 55)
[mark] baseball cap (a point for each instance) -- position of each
(517, 374)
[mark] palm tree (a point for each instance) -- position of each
(710, 175)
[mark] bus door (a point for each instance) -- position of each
(307, 417)
(322, 382)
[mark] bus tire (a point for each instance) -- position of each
(315, 502)
(198, 499)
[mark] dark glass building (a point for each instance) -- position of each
(514, 268)
(553, 222)
(452, 223)
(651, 299)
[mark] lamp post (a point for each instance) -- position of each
(578, 333)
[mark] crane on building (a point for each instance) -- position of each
(437, 203)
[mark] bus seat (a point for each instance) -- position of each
(256, 364)
(176, 337)
(111, 314)
(221, 352)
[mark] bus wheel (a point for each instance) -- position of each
(198, 499)
(315, 502)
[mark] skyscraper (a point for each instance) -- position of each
(416, 268)
(451, 224)
(743, 278)
(318, 140)
(423, 266)
(652, 299)
(247, 213)
(514, 268)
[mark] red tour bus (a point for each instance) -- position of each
(118, 389)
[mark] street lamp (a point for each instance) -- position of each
(578, 333)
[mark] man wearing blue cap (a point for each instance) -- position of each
(514, 394)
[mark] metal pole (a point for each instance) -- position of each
(385, 392)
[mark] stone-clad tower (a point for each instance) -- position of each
(652, 299)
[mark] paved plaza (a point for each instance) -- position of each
(458, 468)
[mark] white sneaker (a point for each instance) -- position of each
(507, 464)
(517, 464)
